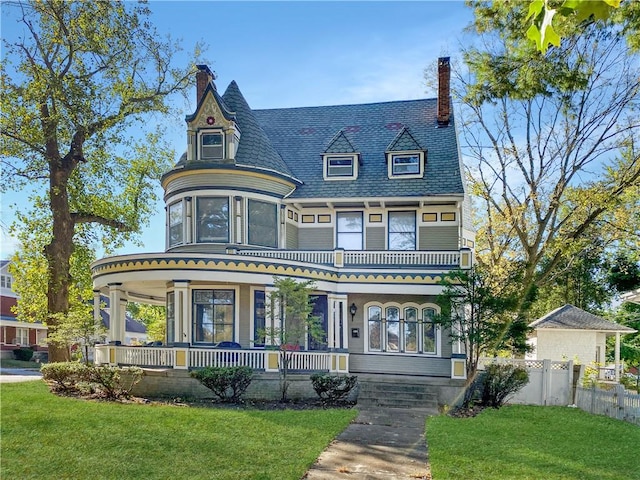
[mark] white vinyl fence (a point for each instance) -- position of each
(550, 383)
(614, 403)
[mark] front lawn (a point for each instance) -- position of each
(527, 442)
(45, 436)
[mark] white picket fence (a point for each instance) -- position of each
(615, 403)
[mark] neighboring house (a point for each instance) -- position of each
(570, 333)
(368, 201)
(632, 296)
(135, 333)
(15, 334)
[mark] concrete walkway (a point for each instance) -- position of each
(13, 375)
(382, 443)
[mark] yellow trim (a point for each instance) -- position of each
(270, 269)
(333, 362)
(342, 362)
(272, 360)
(375, 218)
(429, 217)
(448, 216)
(186, 173)
(181, 358)
(458, 368)
(112, 355)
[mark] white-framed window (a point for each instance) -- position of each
(212, 224)
(349, 230)
(176, 222)
(406, 164)
(402, 329)
(402, 230)
(374, 327)
(6, 281)
(263, 223)
(211, 145)
(22, 336)
(340, 167)
(213, 316)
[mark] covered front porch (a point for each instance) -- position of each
(183, 358)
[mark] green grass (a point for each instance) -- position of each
(526, 442)
(11, 363)
(45, 436)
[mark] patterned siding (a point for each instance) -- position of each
(375, 238)
(315, 238)
(292, 237)
(400, 365)
(438, 238)
(226, 181)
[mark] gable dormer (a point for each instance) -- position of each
(405, 156)
(212, 131)
(340, 159)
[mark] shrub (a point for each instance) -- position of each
(501, 381)
(113, 382)
(332, 388)
(64, 377)
(227, 383)
(74, 378)
(23, 354)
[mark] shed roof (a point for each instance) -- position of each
(569, 317)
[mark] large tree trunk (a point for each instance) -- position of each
(58, 253)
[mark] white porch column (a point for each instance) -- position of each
(617, 357)
(182, 325)
(272, 317)
(337, 336)
(116, 312)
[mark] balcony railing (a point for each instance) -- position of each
(369, 258)
(187, 357)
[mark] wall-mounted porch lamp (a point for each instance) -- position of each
(353, 309)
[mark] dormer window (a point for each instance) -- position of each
(340, 167)
(211, 146)
(406, 164)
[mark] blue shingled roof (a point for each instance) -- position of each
(340, 144)
(300, 135)
(255, 149)
(291, 141)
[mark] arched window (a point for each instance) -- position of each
(411, 330)
(375, 328)
(428, 330)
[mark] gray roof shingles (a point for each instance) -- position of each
(291, 141)
(574, 318)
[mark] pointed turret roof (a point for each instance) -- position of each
(255, 149)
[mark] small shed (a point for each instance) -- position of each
(570, 333)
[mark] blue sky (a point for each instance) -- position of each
(292, 54)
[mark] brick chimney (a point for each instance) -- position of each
(204, 76)
(444, 91)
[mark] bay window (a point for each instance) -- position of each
(263, 223)
(212, 215)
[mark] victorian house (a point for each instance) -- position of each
(368, 201)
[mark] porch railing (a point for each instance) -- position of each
(186, 357)
(370, 258)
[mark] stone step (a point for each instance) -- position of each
(392, 394)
